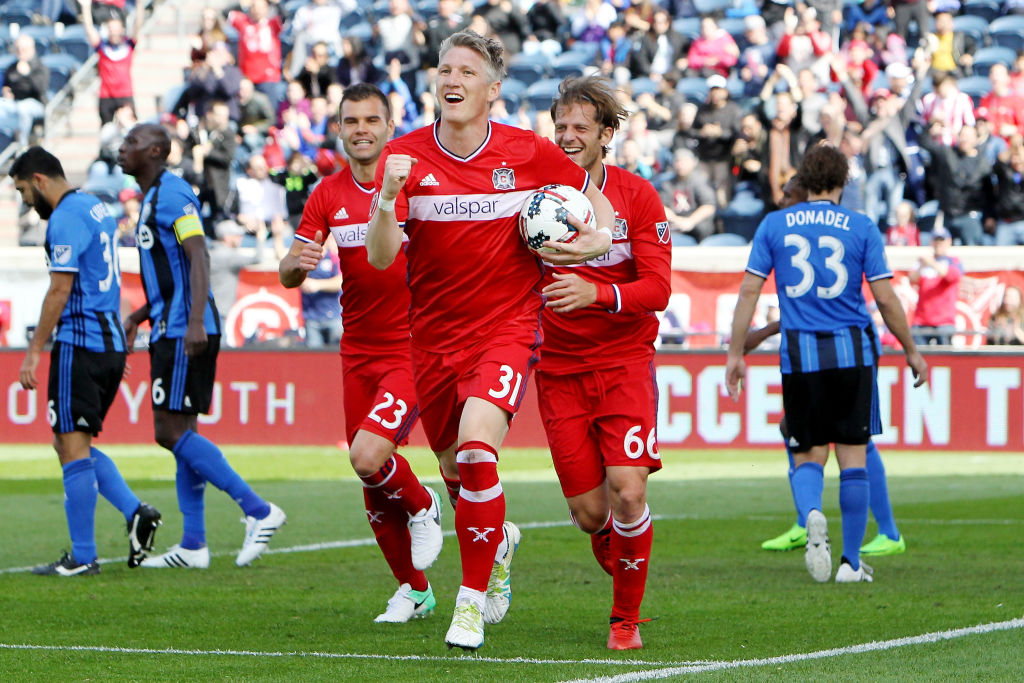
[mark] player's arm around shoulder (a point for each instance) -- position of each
(384, 234)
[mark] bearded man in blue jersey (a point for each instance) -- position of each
(821, 253)
(183, 346)
(87, 358)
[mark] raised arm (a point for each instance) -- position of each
(384, 235)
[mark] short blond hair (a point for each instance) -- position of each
(488, 48)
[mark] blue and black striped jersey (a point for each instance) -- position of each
(169, 216)
(81, 239)
(820, 254)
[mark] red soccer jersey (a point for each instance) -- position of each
(937, 296)
(259, 47)
(115, 68)
(633, 281)
(374, 303)
(469, 271)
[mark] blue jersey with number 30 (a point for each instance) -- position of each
(81, 239)
(821, 253)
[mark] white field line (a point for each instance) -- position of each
(675, 668)
(361, 542)
(456, 655)
(874, 646)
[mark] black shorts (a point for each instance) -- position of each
(83, 385)
(830, 406)
(182, 384)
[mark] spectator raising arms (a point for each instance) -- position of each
(115, 58)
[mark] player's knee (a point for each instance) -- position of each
(588, 521)
(166, 436)
(367, 460)
(628, 501)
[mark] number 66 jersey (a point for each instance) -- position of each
(821, 253)
(81, 239)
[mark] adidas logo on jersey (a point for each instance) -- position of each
(342, 213)
(429, 181)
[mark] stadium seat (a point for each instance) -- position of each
(724, 239)
(528, 68)
(695, 89)
(61, 59)
(987, 56)
(16, 15)
(689, 27)
(975, 86)
(5, 62)
(704, 7)
(734, 27)
(589, 50)
(986, 9)
(541, 94)
(681, 239)
(77, 47)
(1008, 32)
(643, 86)
(60, 74)
(743, 215)
(512, 92)
(569, 64)
(974, 26)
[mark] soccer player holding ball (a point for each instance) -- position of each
(380, 398)
(455, 189)
(821, 253)
(595, 381)
(87, 360)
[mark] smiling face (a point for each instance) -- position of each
(365, 128)
(465, 88)
(579, 134)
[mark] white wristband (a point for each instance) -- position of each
(608, 232)
(386, 205)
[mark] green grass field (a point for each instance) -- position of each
(725, 609)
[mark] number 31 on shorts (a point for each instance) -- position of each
(509, 384)
(635, 447)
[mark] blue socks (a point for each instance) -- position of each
(801, 518)
(881, 508)
(207, 460)
(191, 487)
(853, 502)
(808, 483)
(112, 485)
(80, 508)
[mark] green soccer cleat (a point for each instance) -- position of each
(795, 538)
(882, 545)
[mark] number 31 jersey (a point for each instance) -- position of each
(81, 239)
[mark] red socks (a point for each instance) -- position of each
(631, 553)
(601, 544)
(390, 527)
(480, 512)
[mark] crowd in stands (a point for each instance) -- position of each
(924, 97)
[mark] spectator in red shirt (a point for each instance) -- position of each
(904, 232)
(804, 45)
(937, 277)
(1005, 108)
(259, 47)
(115, 59)
(714, 52)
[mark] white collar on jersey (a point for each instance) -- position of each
(473, 154)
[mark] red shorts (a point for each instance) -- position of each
(380, 396)
(598, 419)
(495, 369)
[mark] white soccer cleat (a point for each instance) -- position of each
(499, 586)
(846, 574)
(425, 532)
(258, 533)
(407, 604)
(467, 629)
(818, 556)
(177, 557)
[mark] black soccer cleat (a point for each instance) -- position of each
(67, 566)
(141, 532)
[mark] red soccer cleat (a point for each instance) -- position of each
(624, 635)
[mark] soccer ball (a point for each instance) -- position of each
(544, 216)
